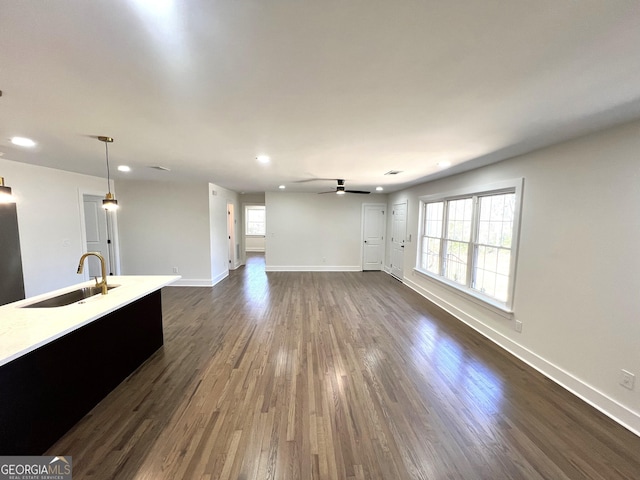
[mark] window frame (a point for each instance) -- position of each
(246, 219)
(506, 186)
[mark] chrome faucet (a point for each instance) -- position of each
(103, 266)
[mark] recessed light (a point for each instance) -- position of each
(379, 189)
(263, 158)
(444, 164)
(124, 168)
(282, 187)
(23, 142)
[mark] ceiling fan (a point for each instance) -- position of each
(340, 190)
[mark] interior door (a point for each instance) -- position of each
(96, 229)
(231, 233)
(399, 232)
(373, 236)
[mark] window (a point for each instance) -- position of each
(468, 240)
(255, 220)
(433, 237)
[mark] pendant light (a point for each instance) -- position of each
(5, 193)
(109, 202)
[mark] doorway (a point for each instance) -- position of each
(255, 225)
(373, 227)
(398, 234)
(99, 233)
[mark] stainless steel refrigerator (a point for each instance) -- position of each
(11, 279)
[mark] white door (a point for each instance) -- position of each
(96, 230)
(373, 236)
(231, 232)
(399, 232)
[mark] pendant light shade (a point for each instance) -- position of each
(5, 193)
(109, 202)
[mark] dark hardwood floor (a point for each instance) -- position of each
(336, 376)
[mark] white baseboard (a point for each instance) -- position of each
(194, 282)
(254, 250)
(313, 268)
(221, 276)
(600, 401)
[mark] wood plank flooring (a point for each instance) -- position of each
(336, 376)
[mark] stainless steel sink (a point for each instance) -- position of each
(69, 297)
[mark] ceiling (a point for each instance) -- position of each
(328, 89)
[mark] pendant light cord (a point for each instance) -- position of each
(106, 146)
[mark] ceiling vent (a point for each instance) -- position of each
(393, 172)
(161, 168)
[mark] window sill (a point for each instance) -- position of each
(468, 294)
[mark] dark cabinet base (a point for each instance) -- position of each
(45, 392)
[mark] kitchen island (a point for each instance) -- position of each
(57, 363)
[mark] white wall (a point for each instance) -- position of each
(252, 198)
(306, 231)
(165, 225)
(254, 244)
(49, 221)
(578, 281)
(219, 242)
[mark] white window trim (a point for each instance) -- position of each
(244, 220)
(504, 309)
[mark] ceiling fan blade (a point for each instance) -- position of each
(322, 193)
(356, 191)
(315, 180)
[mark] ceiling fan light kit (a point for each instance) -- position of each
(340, 190)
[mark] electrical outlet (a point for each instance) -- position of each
(518, 326)
(175, 269)
(627, 379)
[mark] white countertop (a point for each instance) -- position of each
(25, 329)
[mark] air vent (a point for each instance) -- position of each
(393, 172)
(161, 168)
